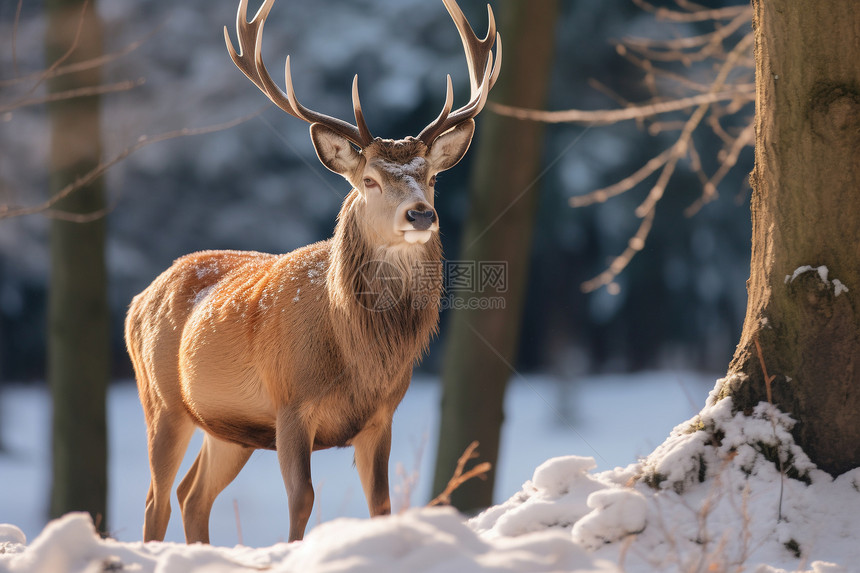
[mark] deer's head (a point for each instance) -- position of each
(394, 179)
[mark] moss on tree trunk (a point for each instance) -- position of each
(806, 211)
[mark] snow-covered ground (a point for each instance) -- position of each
(708, 499)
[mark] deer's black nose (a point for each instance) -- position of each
(421, 220)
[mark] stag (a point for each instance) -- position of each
(312, 349)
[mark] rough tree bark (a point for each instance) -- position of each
(806, 211)
(481, 345)
(78, 329)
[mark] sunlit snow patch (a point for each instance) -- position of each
(823, 272)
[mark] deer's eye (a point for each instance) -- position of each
(368, 182)
(433, 181)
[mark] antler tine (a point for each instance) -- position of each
(443, 115)
(479, 58)
(250, 35)
(359, 115)
(477, 103)
(245, 31)
(359, 135)
(476, 48)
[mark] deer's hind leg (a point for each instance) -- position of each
(217, 464)
(168, 435)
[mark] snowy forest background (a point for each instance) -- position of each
(258, 186)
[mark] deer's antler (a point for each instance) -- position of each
(249, 59)
(483, 73)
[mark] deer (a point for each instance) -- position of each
(311, 349)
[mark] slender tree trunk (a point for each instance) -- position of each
(481, 345)
(806, 211)
(78, 330)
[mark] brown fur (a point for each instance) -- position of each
(309, 350)
(230, 341)
(397, 150)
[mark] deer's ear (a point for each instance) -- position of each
(334, 150)
(450, 147)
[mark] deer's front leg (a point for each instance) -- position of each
(372, 448)
(294, 442)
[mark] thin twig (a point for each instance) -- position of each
(727, 93)
(619, 263)
(709, 193)
(86, 91)
(238, 523)
(694, 15)
(767, 384)
(90, 176)
(460, 477)
(80, 66)
(706, 46)
(702, 40)
(767, 379)
(647, 208)
(68, 53)
(625, 184)
(408, 480)
(607, 116)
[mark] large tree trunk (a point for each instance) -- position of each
(806, 211)
(78, 330)
(481, 345)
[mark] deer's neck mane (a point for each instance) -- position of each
(384, 300)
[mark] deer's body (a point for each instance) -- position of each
(308, 350)
(231, 318)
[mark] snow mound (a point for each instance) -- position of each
(718, 439)
(616, 514)
(725, 492)
(12, 539)
(556, 496)
(12, 534)
(420, 540)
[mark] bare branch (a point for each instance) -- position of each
(75, 93)
(691, 49)
(746, 138)
(609, 116)
(68, 53)
(619, 263)
(601, 195)
(682, 80)
(736, 95)
(711, 39)
(460, 477)
(46, 207)
(694, 14)
(81, 66)
(767, 379)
